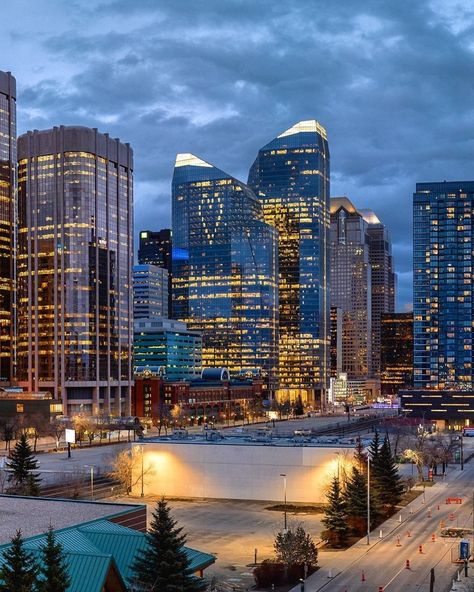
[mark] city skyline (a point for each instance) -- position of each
(362, 85)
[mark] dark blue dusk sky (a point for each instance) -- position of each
(392, 82)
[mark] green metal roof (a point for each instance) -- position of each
(93, 549)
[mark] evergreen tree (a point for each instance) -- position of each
(335, 516)
(355, 496)
(19, 571)
(163, 566)
(296, 547)
(360, 456)
(387, 481)
(22, 464)
(54, 576)
(374, 449)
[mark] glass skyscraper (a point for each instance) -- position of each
(75, 241)
(443, 299)
(150, 292)
(291, 178)
(351, 286)
(155, 249)
(7, 220)
(224, 268)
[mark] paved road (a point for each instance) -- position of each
(383, 563)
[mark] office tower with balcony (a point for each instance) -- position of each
(383, 279)
(150, 292)
(351, 286)
(396, 372)
(75, 241)
(155, 248)
(290, 176)
(224, 268)
(442, 285)
(7, 222)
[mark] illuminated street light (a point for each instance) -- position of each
(284, 493)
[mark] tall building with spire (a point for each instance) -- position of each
(7, 222)
(290, 176)
(224, 268)
(75, 248)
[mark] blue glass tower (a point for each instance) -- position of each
(224, 268)
(442, 282)
(291, 178)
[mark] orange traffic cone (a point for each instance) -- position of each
(380, 588)
(420, 549)
(398, 542)
(433, 538)
(408, 534)
(362, 577)
(407, 564)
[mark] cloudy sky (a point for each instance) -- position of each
(392, 82)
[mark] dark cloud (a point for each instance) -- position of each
(391, 82)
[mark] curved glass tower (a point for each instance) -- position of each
(291, 178)
(75, 244)
(7, 218)
(224, 268)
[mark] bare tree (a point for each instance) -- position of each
(8, 428)
(126, 468)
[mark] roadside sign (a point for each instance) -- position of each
(464, 550)
(70, 436)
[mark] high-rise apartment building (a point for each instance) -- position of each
(155, 248)
(7, 221)
(442, 284)
(396, 353)
(351, 286)
(383, 279)
(150, 292)
(290, 176)
(224, 268)
(75, 240)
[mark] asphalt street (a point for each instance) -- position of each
(382, 564)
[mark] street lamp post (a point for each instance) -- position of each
(284, 495)
(142, 494)
(368, 499)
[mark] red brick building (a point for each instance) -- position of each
(211, 397)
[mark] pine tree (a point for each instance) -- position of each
(54, 576)
(374, 449)
(335, 516)
(296, 547)
(387, 481)
(355, 496)
(163, 566)
(360, 456)
(22, 464)
(19, 571)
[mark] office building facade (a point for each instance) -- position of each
(224, 268)
(75, 240)
(7, 222)
(396, 370)
(351, 286)
(150, 292)
(442, 285)
(290, 176)
(336, 341)
(166, 347)
(383, 279)
(155, 248)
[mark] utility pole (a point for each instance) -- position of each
(368, 499)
